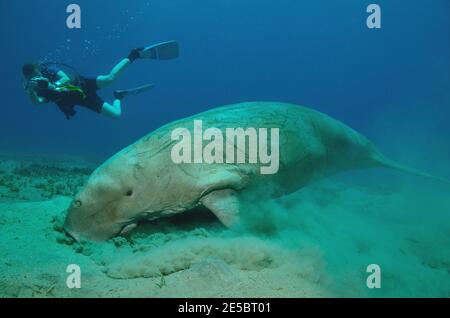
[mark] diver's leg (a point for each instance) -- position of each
(114, 110)
(106, 80)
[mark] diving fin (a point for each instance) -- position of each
(161, 51)
(119, 94)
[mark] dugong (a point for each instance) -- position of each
(142, 182)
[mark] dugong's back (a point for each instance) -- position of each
(311, 144)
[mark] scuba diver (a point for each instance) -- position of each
(50, 83)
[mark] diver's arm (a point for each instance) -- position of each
(35, 99)
(63, 78)
(31, 92)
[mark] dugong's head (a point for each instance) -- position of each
(110, 201)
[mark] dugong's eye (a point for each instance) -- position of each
(78, 204)
(129, 193)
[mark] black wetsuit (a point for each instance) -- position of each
(67, 100)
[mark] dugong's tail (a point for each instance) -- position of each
(387, 163)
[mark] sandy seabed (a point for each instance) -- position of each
(316, 242)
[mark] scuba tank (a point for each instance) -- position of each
(71, 72)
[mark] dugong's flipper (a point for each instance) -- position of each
(224, 204)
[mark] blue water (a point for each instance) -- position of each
(314, 53)
(390, 84)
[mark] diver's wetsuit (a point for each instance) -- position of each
(67, 100)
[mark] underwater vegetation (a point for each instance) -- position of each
(34, 181)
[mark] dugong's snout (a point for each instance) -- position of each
(70, 232)
(80, 225)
